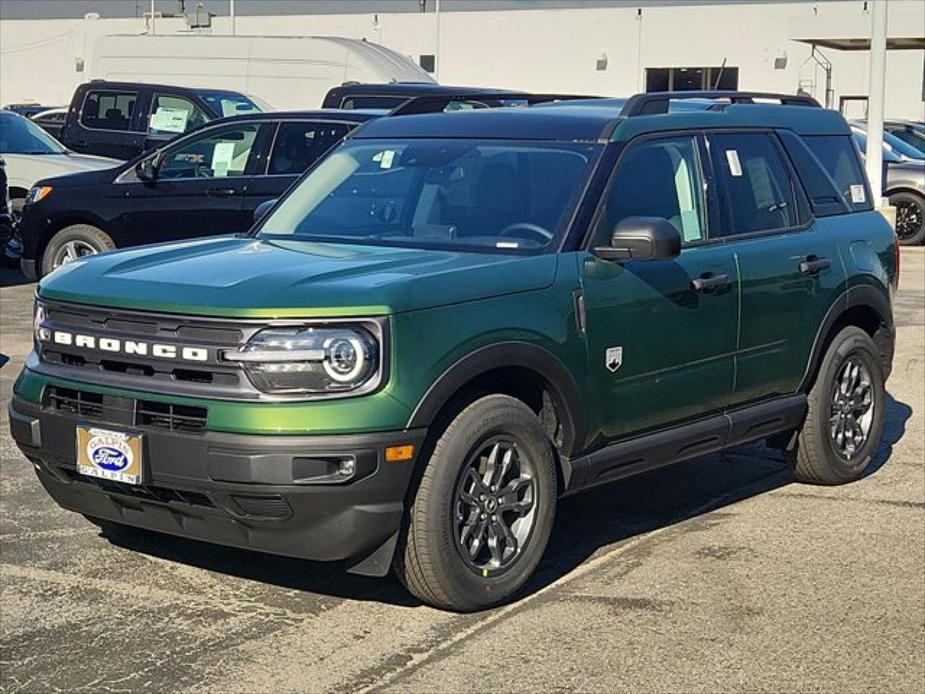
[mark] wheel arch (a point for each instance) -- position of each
(520, 369)
(866, 306)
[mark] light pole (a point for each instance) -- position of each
(233, 28)
(875, 98)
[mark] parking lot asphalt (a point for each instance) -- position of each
(717, 575)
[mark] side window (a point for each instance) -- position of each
(218, 154)
(374, 102)
(840, 160)
(107, 110)
(299, 145)
(760, 195)
(659, 178)
(174, 114)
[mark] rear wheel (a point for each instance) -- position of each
(483, 512)
(844, 420)
(910, 218)
(74, 242)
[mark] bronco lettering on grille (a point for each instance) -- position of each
(133, 347)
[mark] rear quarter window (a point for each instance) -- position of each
(839, 158)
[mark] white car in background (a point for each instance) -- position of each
(31, 154)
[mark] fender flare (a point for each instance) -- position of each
(867, 295)
(506, 354)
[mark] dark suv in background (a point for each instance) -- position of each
(207, 182)
(123, 119)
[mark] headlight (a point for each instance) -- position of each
(320, 360)
(37, 193)
(39, 332)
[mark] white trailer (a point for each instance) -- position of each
(289, 72)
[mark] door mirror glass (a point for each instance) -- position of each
(147, 168)
(642, 239)
(263, 208)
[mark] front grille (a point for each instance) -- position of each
(166, 415)
(122, 368)
(164, 495)
(121, 411)
(77, 402)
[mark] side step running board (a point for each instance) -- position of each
(675, 445)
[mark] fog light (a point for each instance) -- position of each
(346, 468)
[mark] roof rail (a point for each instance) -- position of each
(653, 103)
(435, 103)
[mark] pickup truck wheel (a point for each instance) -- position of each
(73, 242)
(481, 517)
(910, 218)
(844, 420)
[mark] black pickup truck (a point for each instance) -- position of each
(123, 119)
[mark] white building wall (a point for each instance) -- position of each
(541, 50)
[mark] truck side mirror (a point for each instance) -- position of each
(263, 208)
(642, 238)
(147, 168)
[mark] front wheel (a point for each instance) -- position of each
(910, 218)
(483, 512)
(74, 242)
(844, 418)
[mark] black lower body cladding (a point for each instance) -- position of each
(278, 494)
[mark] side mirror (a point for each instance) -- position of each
(146, 169)
(642, 238)
(263, 208)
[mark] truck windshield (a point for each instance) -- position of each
(488, 195)
(20, 135)
(232, 103)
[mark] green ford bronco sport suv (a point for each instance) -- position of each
(456, 318)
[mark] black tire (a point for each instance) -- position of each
(817, 457)
(910, 218)
(429, 560)
(83, 236)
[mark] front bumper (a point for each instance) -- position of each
(276, 494)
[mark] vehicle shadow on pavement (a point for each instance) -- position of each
(10, 277)
(585, 522)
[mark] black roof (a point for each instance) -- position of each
(569, 123)
(415, 89)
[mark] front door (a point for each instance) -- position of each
(662, 334)
(200, 187)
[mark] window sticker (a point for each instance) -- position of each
(735, 167)
(170, 120)
(222, 155)
(385, 158)
(858, 195)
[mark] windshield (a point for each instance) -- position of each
(19, 135)
(912, 136)
(457, 194)
(232, 104)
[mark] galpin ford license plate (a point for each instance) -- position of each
(109, 455)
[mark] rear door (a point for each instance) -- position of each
(296, 145)
(200, 187)
(105, 124)
(790, 272)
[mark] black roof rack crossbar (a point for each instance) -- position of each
(435, 103)
(653, 103)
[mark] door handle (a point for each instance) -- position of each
(708, 282)
(813, 265)
(220, 192)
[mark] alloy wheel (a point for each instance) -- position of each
(495, 506)
(909, 219)
(852, 412)
(72, 250)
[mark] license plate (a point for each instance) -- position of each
(109, 455)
